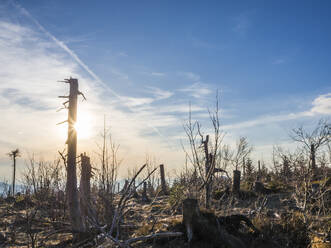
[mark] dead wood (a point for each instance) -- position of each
(211, 229)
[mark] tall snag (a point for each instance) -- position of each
(71, 186)
(13, 154)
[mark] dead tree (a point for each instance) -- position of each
(126, 184)
(71, 186)
(208, 183)
(236, 181)
(144, 193)
(212, 230)
(312, 141)
(243, 149)
(163, 181)
(13, 154)
(203, 152)
(85, 185)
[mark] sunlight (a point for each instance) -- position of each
(83, 125)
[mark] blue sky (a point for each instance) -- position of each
(142, 62)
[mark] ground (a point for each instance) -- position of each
(26, 224)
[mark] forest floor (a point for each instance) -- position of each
(24, 224)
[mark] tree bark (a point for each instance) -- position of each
(85, 186)
(236, 182)
(163, 181)
(71, 187)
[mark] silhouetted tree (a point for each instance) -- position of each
(13, 154)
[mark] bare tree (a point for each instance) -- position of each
(312, 141)
(203, 150)
(237, 158)
(110, 161)
(243, 149)
(71, 186)
(13, 155)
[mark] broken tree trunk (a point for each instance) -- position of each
(126, 185)
(85, 186)
(236, 182)
(71, 186)
(206, 227)
(208, 159)
(164, 189)
(144, 193)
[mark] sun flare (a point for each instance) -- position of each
(83, 125)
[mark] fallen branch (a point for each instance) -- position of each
(152, 236)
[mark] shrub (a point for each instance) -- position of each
(177, 194)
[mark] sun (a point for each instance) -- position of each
(83, 125)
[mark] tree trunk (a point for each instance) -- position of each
(85, 186)
(207, 169)
(126, 184)
(236, 182)
(71, 187)
(14, 175)
(144, 194)
(163, 181)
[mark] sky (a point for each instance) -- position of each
(142, 63)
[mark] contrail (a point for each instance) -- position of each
(67, 49)
(73, 55)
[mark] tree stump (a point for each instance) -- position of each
(144, 194)
(126, 185)
(163, 181)
(206, 227)
(85, 185)
(236, 182)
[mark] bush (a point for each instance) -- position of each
(289, 231)
(177, 194)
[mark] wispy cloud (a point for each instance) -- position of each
(119, 74)
(197, 90)
(190, 76)
(158, 74)
(136, 101)
(30, 70)
(158, 93)
(321, 105)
